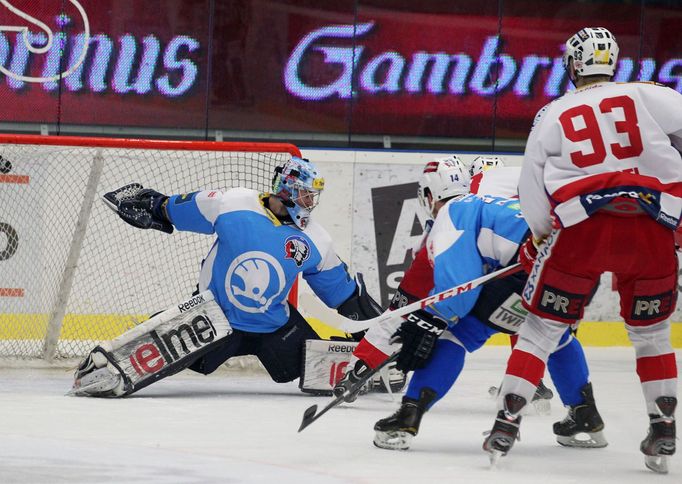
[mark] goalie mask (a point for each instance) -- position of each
(443, 178)
(298, 185)
(484, 163)
(594, 51)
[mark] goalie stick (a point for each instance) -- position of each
(311, 414)
(352, 326)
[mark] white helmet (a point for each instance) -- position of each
(594, 51)
(442, 178)
(484, 163)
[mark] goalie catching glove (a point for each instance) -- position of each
(140, 207)
(418, 335)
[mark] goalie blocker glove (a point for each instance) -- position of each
(359, 306)
(418, 335)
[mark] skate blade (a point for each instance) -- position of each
(657, 463)
(393, 440)
(542, 406)
(494, 456)
(584, 440)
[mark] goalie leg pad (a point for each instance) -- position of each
(161, 346)
(324, 364)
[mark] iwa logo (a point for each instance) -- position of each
(61, 21)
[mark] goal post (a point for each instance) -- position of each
(71, 273)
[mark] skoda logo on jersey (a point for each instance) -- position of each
(297, 249)
(253, 281)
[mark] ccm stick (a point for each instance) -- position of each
(311, 414)
(352, 326)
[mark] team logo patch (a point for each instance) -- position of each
(509, 316)
(652, 307)
(253, 281)
(297, 249)
(560, 303)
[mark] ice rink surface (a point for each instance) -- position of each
(242, 428)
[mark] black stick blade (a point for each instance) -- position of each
(308, 417)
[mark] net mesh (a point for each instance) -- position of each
(69, 264)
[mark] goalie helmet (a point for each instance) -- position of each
(594, 51)
(443, 178)
(298, 185)
(484, 163)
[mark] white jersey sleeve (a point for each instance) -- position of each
(600, 142)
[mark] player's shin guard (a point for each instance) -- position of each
(583, 426)
(660, 440)
(396, 432)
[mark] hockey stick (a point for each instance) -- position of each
(352, 326)
(310, 415)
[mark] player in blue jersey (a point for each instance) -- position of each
(474, 235)
(263, 242)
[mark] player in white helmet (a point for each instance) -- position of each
(441, 180)
(484, 163)
(601, 189)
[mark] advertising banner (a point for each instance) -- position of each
(279, 66)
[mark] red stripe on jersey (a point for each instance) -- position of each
(431, 167)
(475, 182)
(526, 365)
(368, 353)
(660, 367)
(614, 179)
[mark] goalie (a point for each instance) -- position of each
(263, 241)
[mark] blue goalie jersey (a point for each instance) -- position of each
(256, 259)
(472, 236)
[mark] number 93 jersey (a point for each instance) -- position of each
(604, 141)
(255, 259)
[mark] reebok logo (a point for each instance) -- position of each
(340, 348)
(189, 304)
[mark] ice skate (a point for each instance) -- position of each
(397, 431)
(583, 426)
(659, 443)
(352, 377)
(505, 431)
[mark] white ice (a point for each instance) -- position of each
(236, 428)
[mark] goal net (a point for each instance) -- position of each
(72, 273)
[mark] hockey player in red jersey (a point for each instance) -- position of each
(601, 189)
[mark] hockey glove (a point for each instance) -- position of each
(528, 252)
(140, 207)
(418, 335)
(359, 306)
